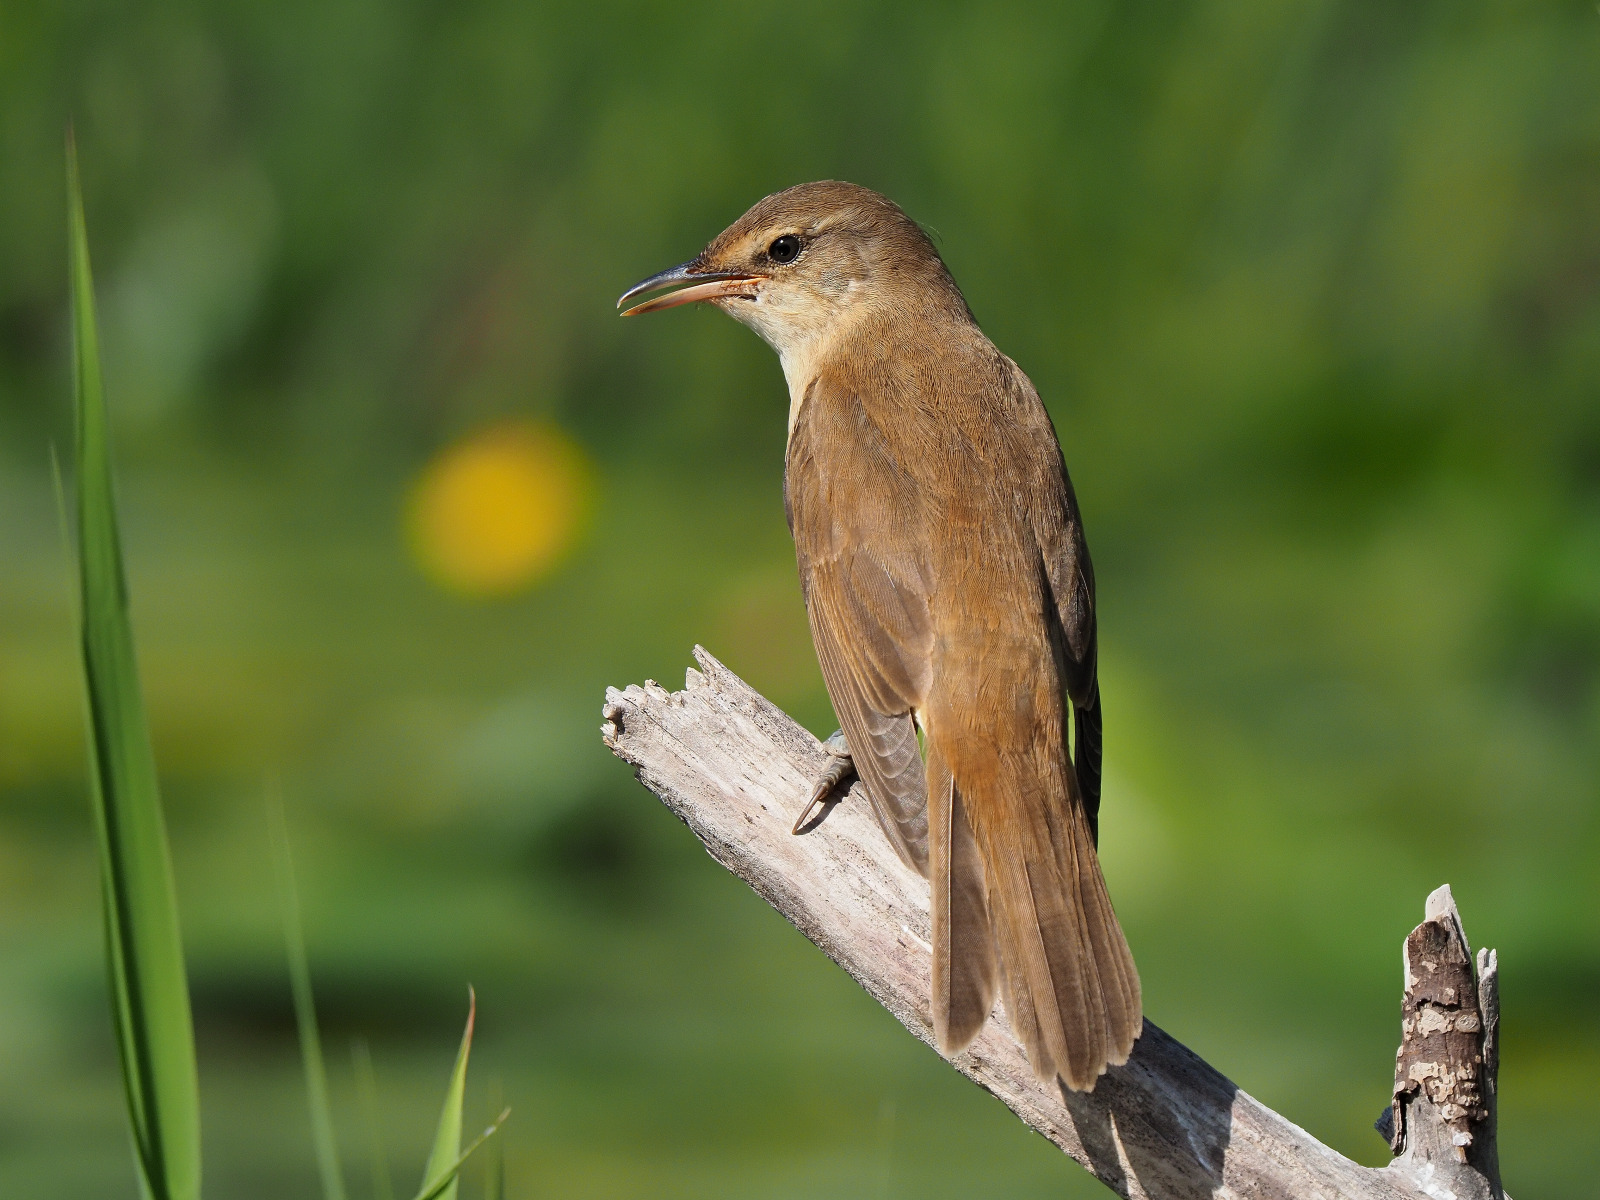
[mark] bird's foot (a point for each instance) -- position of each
(839, 769)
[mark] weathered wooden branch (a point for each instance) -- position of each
(1167, 1125)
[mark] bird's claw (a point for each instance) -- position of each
(839, 768)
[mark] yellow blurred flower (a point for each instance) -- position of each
(498, 510)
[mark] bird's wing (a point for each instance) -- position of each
(1069, 573)
(1016, 639)
(867, 603)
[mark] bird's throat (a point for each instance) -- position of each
(803, 359)
(800, 366)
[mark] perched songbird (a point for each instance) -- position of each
(949, 590)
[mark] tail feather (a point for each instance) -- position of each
(1119, 978)
(964, 968)
(1068, 981)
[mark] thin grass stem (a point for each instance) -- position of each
(367, 1093)
(305, 1011)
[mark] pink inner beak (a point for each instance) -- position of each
(716, 289)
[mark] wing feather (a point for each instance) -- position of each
(883, 747)
(1069, 579)
(867, 604)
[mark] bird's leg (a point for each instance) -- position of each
(839, 768)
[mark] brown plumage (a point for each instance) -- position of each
(949, 588)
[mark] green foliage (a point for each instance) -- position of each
(144, 952)
(445, 1159)
(148, 983)
(440, 1178)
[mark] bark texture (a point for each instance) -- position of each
(1167, 1125)
(1441, 1124)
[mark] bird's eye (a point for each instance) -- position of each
(785, 250)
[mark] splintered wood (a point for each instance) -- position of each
(1166, 1125)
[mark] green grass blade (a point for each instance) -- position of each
(449, 1180)
(144, 950)
(367, 1092)
(439, 1178)
(305, 1013)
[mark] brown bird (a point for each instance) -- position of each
(949, 590)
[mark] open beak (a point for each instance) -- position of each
(707, 285)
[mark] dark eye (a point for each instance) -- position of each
(785, 250)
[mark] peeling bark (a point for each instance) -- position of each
(1442, 1118)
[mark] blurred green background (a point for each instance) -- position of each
(1312, 291)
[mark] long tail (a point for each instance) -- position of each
(1068, 980)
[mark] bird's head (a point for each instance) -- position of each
(806, 261)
